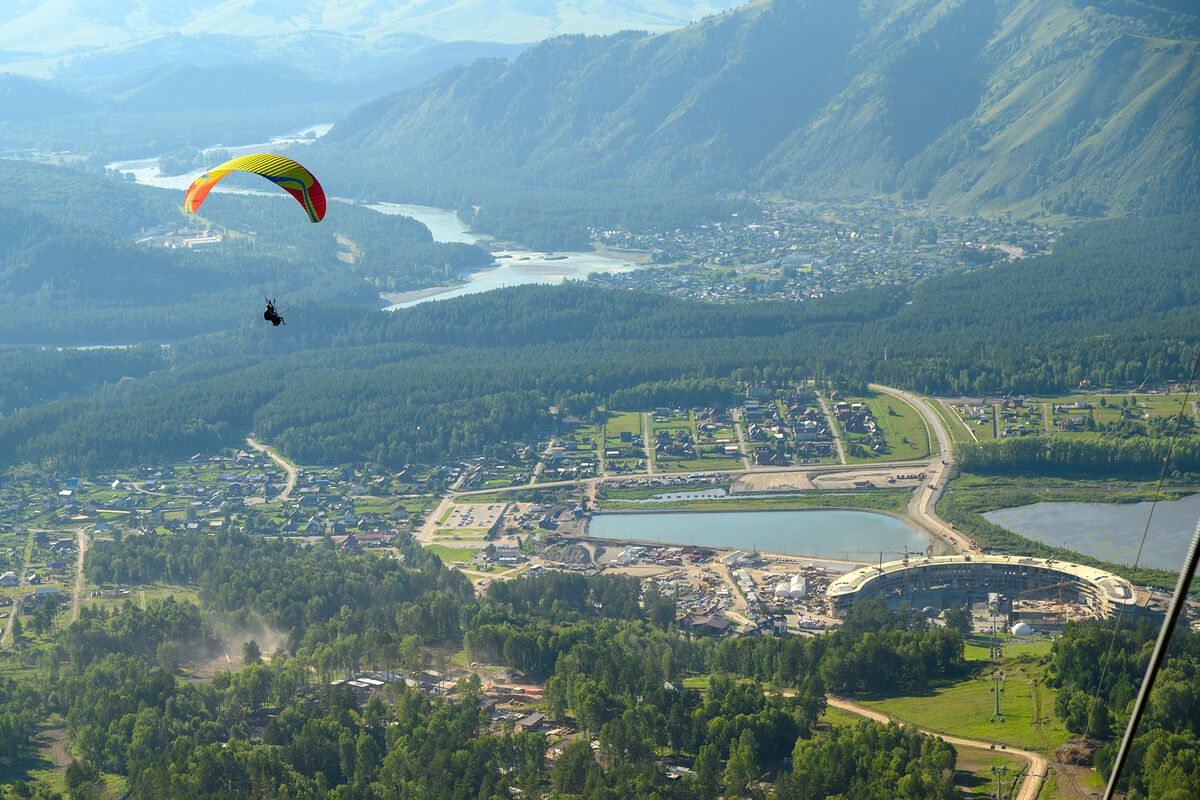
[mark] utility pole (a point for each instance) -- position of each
(1000, 772)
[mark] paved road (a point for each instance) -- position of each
(833, 428)
(1034, 774)
(292, 473)
(922, 506)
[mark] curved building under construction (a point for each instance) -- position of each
(955, 579)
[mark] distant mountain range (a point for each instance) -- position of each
(37, 32)
(1034, 106)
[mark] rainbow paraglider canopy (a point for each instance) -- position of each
(290, 176)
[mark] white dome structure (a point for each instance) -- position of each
(1022, 629)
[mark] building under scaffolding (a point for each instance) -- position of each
(957, 580)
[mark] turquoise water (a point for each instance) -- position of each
(1107, 530)
(820, 533)
(512, 267)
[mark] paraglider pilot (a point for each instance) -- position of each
(271, 315)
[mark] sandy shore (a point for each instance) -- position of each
(547, 269)
(636, 256)
(394, 298)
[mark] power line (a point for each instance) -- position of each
(1173, 612)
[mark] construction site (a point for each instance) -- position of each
(1045, 594)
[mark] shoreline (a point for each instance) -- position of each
(396, 298)
(639, 257)
(586, 532)
(548, 270)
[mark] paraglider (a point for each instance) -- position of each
(287, 174)
(271, 315)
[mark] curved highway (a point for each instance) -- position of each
(923, 505)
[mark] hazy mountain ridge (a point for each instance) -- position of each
(996, 104)
(58, 27)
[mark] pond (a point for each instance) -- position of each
(1109, 531)
(819, 533)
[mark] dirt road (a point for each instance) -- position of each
(1034, 775)
(292, 473)
(82, 539)
(6, 639)
(649, 443)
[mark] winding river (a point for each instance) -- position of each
(512, 267)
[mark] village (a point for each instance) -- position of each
(527, 508)
(797, 251)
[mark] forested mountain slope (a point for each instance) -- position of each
(1114, 304)
(82, 259)
(984, 105)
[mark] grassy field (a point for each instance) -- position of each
(904, 431)
(975, 776)
(697, 464)
(966, 708)
(976, 648)
(982, 432)
(464, 533)
(452, 553)
(958, 428)
(619, 422)
(149, 592)
(611, 492)
(1107, 408)
(902, 425)
(836, 717)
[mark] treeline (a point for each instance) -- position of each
(1092, 456)
(19, 706)
(33, 376)
(868, 761)
(614, 662)
(1163, 760)
(299, 590)
(163, 631)
(874, 651)
(458, 377)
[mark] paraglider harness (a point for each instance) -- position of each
(271, 315)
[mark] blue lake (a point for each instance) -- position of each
(820, 533)
(1109, 531)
